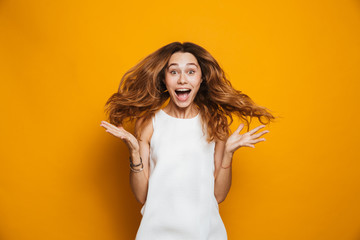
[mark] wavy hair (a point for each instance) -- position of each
(142, 93)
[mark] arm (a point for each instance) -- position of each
(139, 180)
(224, 151)
(137, 148)
(223, 171)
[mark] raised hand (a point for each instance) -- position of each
(129, 139)
(236, 140)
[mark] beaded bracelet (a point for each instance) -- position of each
(137, 170)
(132, 165)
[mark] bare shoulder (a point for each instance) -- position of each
(143, 132)
(144, 129)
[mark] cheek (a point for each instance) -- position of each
(168, 82)
(197, 87)
(197, 83)
(170, 88)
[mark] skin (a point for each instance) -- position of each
(183, 72)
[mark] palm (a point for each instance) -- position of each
(129, 139)
(236, 140)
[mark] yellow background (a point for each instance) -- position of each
(63, 177)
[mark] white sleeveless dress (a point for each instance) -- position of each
(180, 203)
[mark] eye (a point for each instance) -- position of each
(172, 71)
(192, 71)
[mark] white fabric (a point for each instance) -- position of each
(180, 202)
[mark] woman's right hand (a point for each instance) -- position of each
(129, 139)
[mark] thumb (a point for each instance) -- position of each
(239, 128)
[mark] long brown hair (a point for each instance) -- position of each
(142, 93)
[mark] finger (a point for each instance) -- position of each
(256, 129)
(115, 129)
(111, 130)
(116, 133)
(105, 124)
(249, 145)
(257, 140)
(108, 125)
(260, 134)
(111, 126)
(237, 131)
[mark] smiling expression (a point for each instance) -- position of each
(183, 78)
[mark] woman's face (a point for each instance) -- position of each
(183, 78)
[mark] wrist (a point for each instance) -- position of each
(226, 164)
(228, 155)
(135, 157)
(227, 159)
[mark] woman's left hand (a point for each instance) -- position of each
(236, 140)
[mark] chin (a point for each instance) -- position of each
(182, 104)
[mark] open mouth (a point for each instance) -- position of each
(182, 94)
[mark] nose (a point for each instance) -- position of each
(182, 79)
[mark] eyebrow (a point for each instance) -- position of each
(186, 64)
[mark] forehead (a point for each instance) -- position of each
(182, 58)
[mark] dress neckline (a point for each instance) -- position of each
(179, 118)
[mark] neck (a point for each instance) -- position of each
(188, 112)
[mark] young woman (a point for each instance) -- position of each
(181, 154)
